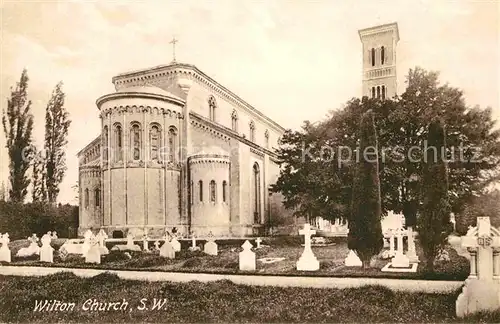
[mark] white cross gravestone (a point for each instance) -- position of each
(86, 242)
(47, 251)
(193, 246)
(130, 243)
(157, 245)
(101, 238)
(481, 291)
(167, 250)
(5, 254)
(307, 261)
(247, 257)
(258, 241)
(400, 260)
(210, 247)
(93, 254)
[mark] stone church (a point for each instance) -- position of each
(177, 150)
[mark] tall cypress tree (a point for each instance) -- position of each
(56, 132)
(17, 122)
(365, 230)
(433, 222)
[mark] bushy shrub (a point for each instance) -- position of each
(22, 220)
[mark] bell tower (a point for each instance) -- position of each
(379, 60)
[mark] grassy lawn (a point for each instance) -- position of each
(220, 301)
(331, 259)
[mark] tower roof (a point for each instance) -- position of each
(380, 28)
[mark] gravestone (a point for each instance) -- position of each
(400, 260)
(247, 257)
(101, 238)
(412, 251)
(481, 291)
(130, 244)
(258, 241)
(193, 246)
(157, 245)
(167, 250)
(54, 235)
(86, 242)
(47, 251)
(94, 252)
(307, 261)
(176, 244)
(5, 254)
(32, 249)
(352, 260)
(210, 247)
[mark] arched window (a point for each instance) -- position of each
(383, 92)
(213, 191)
(135, 141)
(118, 143)
(105, 136)
(224, 191)
(378, 91)
(373, 57)
(252, 131)
(86, 198)
(382, 55)
(266, 136)
(256, 188)
(234, 121)
(212, 106)
(200, 188)
(154, 140)
(97, 197)
(172, 144)
(373, 92)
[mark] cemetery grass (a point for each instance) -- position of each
(331, 259)
(220, 301)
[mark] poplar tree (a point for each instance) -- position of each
(17, 122)
(57, 124)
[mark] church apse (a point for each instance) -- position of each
(141, 167)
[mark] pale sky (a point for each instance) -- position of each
(292, 60)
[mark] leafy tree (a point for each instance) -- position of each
(365, 230)
(487, 204)
(305, 163)
(433, 222)
(401, 124)
(17, 122)
(56, 132)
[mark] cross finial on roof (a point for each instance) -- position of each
(173, 42)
